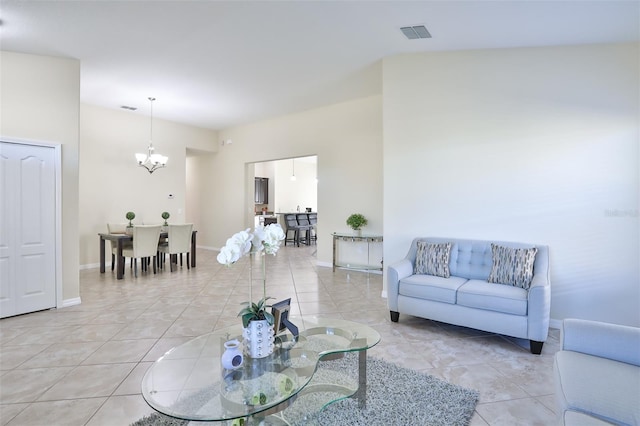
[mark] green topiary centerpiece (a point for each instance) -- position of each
(130, 216)
(165, 216)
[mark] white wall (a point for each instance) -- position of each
(111, 182)
(302, 192)
(346, 137)
(537, 145)
(41, 102)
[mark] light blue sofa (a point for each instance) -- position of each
(597, 374)
(467, 299)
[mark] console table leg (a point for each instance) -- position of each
(361, 394)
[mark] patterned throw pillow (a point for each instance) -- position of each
(512, 266)
(433, 259)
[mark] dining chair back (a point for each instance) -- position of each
(145, 245)
(179, 242)
(116, 228)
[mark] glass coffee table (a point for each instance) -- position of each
(188, 382)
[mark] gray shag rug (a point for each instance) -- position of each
(395, 395)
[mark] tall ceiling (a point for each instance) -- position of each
(216, 64)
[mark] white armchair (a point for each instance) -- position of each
(597, 374)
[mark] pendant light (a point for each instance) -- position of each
(151, 161)
(293, 169)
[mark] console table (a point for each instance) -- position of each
(351, 238)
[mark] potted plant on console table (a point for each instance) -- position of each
(356, 221)
(257, 322)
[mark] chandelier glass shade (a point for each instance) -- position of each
(151, 161)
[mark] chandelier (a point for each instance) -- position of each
(151, 161)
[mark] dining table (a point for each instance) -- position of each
(120, 240)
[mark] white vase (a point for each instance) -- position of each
(232, 357)
(258, 339)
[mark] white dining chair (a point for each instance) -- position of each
(144, 246)
(117, 228)
(179, 241)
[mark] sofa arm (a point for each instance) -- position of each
(395, 273)
(539, 307)
(612, 341)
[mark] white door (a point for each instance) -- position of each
(27, 228)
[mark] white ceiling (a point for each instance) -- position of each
(216, 64)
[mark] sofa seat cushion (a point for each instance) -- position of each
(430, 287)
(494, 297)
(606, 389)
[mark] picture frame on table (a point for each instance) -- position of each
(280, 312)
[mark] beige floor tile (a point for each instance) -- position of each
(144, 329)
(88, 381)
(121, 410)
(93, 333)
(28, 385)
(119, 351)
(163, 345)
(74, 412)
(132, 384)
(13, 356)
(492, 385)
(518, 412)
(42, 335)
(62, 354)
(9, 411)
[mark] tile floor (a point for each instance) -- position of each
(83, 365)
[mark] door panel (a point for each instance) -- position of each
(27, 244)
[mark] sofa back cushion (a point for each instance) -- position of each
(472, 259)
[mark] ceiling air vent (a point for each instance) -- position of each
(130, 108)
(417, 31)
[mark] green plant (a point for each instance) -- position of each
(165, 216)
(130, 216)
(356, 221)
(256, 312)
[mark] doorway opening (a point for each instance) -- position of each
(285, 186)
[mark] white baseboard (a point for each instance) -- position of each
(92, 266)
(555, 323)
(71, 302)
(324, 264)
(208, 248)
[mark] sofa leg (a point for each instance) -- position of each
(394, 316)
(536, 347)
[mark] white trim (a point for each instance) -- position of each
(71, 302)
(93, 265)
(324, 264)
(207, 248)
(58, 237)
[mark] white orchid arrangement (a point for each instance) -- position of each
(263, 240)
